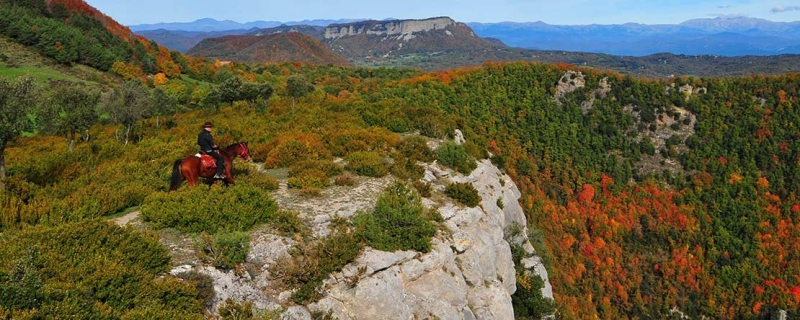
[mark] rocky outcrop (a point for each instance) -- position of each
(468, 273)
(403, 28)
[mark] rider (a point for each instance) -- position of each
(206, 143)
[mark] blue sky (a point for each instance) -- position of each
(130, 12)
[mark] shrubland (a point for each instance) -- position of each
(714, 236)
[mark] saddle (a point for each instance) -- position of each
(206, 161)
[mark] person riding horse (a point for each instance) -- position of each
(207, 146)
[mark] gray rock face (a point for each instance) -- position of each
(468, 273)
(403, 28)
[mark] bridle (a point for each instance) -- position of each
(244, 151)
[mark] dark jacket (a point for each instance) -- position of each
(205, 141)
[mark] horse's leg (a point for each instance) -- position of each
(228, 172)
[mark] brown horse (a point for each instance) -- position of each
(190, 168)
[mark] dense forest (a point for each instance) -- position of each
(646, 200)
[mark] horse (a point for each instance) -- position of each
(191, 168)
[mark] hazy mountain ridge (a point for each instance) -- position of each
(720, 36)
(210, 25)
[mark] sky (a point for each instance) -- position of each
(558, 12)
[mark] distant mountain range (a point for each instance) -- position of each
(726, 36)
(737, 36)
(212, 25)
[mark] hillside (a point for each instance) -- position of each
(182, 41)
(278, 47)
(447, 194)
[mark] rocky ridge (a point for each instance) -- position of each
(468, 274)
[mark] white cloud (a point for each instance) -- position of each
(785, 9)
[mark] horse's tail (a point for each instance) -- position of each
(177, 177)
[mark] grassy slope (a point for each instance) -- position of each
(17, 60)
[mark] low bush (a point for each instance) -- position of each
(296, 148)
(376, 139)
(251, 176)
(345, 180)
(368, 164)
(225, 249)
(423, 188)
(90, 269)
(398, 222)
(406, 168)
(199, 209)
(289, 223)
(416, 148)
(528, 301)
(464, 193)
(329, 167)
(310, 192)
(455, 156)
(309, 178)
(312, 262)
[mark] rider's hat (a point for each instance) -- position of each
(208, 125)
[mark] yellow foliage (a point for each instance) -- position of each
(159, 79)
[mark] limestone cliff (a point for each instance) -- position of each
(399, 37)
(403, 28)
(468, 274)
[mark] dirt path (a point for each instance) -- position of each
(123, 220)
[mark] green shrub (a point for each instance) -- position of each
(423, 188)
(90, 269)
(202, 282)
(253, 177)
(455, 156)
(289, 223)
(368, 164)
(398, 222)
(311, 262)
(464, 193)
(376, 139)
(405, 168)
(234, 310)
(416, 148)
(475, 151)
(329, 167)
(296, 148)
(195, 210)
(224, 250)
(309, 178)
(528, 301)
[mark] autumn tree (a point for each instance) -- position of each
(127, 104)
(297, 87)
(17, 101)
(163, 104)
(74, 109)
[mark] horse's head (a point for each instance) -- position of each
(244, 151)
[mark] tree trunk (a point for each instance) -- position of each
(71, 141)
(127, 133)
(292, 105)
(2, 165)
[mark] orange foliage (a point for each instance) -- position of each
(587, 194)
(781, 96)
(735, 178)
(159, 79)
(127, 71)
